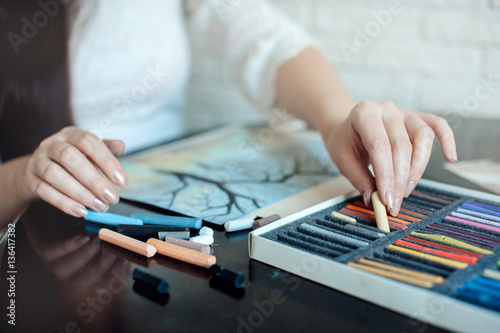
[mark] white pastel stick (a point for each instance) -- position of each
(203, 239)
(239, 224)
(206, 231)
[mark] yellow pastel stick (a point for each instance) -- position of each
(453, 241)
(380, 213)
(449, 262)
(393, 275)
(489, 273)
(418, 275)
(343, 217)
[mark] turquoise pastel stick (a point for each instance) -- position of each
(175, 221)
(111, 219)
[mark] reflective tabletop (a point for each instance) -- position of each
(66, 280)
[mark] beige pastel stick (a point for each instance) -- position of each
(182, 253)
(126, 242)
(343, 217)
(189, 245)
(380, 213)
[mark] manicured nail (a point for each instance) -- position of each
(389, 197)
(110, 196)
(79, 211)
(119, 178)
(395, 211)
(453, 157)
(409, 188)
(100, 206)
(366, 199)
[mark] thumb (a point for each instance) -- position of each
(357, 172)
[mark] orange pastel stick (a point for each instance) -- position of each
(126, 242)
(459, 257)
(182, 253)
(364, 210)
(404, 216)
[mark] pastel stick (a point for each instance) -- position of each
(155, 283)
(175, 221)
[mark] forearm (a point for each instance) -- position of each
(12, 204)
(309, 88)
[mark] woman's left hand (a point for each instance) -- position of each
(397, 143)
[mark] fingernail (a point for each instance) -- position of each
(366, 199)
(119, 178)
(389, 197)
(100, 206)
(110, 196)
(409, 188)
(79, 211)
(454, 157)
(395, 210)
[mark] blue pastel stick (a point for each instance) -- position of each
(175, 221)
(491, 283)
(111, 219)
(486, 206)
(477, 287)
(480, 209)
(479, 298)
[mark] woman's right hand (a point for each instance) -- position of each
(63, 171)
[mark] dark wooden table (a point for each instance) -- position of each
(67, 281)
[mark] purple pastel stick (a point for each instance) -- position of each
(474, 219)
(479, 225)
(469, 234)
(482, 215)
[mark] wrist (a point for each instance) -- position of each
(17, 168)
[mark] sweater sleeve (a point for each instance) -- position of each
(253, 39)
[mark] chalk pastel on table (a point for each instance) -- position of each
(174, 221)
(126, 242)
(111, 219)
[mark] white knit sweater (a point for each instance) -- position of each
(129, 60)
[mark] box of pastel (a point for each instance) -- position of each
(442, 253)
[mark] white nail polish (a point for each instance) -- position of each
(79, 211)
(409, 188)
(119, 178)
(110, 197)
(100, 206)
(390, 198)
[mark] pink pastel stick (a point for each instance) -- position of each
(479, 225)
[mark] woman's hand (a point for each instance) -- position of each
(63, 171)
(395, 141)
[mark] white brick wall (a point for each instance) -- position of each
(432, 55)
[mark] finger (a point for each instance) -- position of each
(60, 179)
(373, 134)
(444, 134)
(83, 170)
(401, 152)
(422, 138)
(95, 149)
(117, 147)
(49, 194)
(358, 174)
